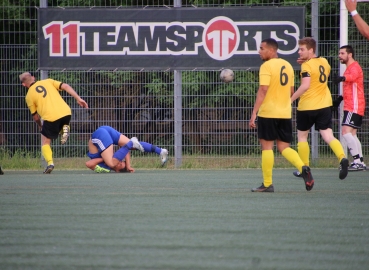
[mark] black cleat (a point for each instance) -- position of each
(297, 174)
(49, 169)
(1, 171)
(263, 188)
(344, 164)
(308, 178)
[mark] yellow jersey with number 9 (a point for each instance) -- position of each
(44, 98)
(278, 75)
(318, 95)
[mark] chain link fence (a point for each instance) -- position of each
(141, 103)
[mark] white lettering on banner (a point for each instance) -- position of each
(221, 38)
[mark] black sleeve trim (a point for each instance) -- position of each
(305, 74)
(60, 85)
(34, 113)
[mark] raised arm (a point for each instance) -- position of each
(67, 88)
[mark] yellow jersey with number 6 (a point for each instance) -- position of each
(278, 75)
(318, 95)
(44, 98)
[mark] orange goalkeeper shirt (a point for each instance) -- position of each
(353, 89)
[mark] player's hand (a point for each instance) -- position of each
(130, 169)
(252, 121)
(300, 61)
(82, 103)
(339, 79)
(351, 5)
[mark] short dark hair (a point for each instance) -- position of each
(349, 49)
(309, 42)
(271, 42)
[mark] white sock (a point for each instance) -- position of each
(358, 143)
(352, 145)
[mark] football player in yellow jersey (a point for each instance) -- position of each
(44, 100)
(314, 107)
(274, 111)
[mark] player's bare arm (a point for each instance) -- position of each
(66, 87)
(361, 25)
(91, 164)
(305, 85)
(260, 96)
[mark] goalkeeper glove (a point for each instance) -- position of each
(337, 102)
(339, 79)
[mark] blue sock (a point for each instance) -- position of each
(123, 151)
(150, 148)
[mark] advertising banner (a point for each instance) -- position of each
(165, 38)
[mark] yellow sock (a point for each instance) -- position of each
(294, 158)
(337, 149)
(303, 149)
(267, 163)
(47, 153)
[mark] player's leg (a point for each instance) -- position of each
(47, 153)
(150, 148)
(284, 129)
(353, 148)
(323, 123)
(360, 149)
(49, 132)
(304, 122)
(267, 133)
(351, 122)
(65, 128)
(1, 171)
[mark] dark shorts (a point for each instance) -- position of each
(321, 118)
(351, 119)
(51, 130)
(271, 129)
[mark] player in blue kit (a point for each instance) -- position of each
(103, 158)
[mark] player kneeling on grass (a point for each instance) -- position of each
(103, 158)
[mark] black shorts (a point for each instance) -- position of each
(351, 119)
(51, 130)
(321, 118)
(271, 129)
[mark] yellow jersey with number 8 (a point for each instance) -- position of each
(318, 95)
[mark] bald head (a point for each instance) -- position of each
(26, 78)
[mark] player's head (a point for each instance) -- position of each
(346, 53)
(307, 47)
(121, 167)
(26, 79)
(268, 49)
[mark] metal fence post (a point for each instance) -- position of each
(315, 34)
(43, 75)
(177, 110)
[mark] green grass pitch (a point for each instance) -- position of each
(183, 219)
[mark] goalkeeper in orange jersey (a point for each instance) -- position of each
(354, 105)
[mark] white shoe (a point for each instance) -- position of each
(356, 167)
(137, 145)
(164, 156)
(65, 134)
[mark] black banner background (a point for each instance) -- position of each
(159, 15)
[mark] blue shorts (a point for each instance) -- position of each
(105, 136)
(102, 138)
